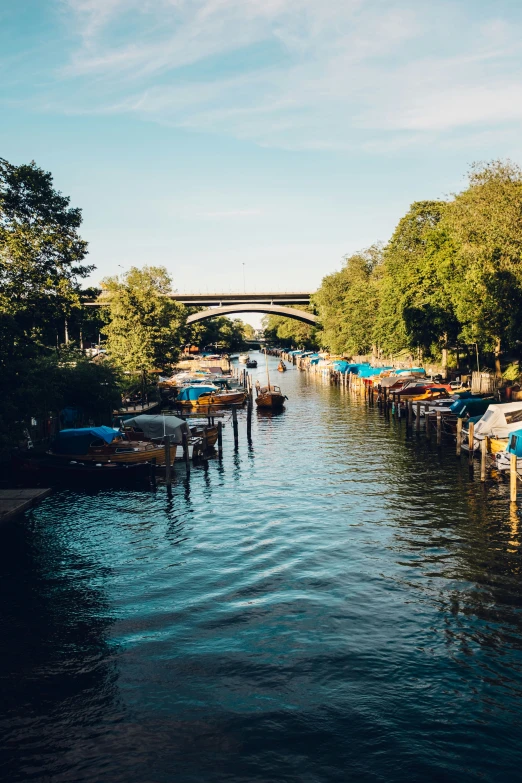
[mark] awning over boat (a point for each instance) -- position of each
(78, 441)
(158, 426)
(191, 393)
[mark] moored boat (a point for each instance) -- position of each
(270, 397)
(208, 396)
(243, 358)
(104, 445)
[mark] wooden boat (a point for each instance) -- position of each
(104, 445)
(209, 396)
(270, 397)
(243, 358)
(281, 367)
(134, 409)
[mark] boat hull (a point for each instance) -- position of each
(270, 400)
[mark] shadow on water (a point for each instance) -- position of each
(335, 601)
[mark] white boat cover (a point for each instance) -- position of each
(159, 426)
(499, 420)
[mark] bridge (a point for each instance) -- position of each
(217, 304)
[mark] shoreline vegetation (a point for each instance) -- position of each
(446, 288)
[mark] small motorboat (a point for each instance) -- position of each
(251, 363)
(243, 358)
(281, 367)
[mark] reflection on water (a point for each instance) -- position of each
(335, 601)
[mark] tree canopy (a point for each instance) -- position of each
(451, 274)
(145, 329)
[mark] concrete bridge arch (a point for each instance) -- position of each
(254, 307)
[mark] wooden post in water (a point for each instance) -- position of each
(471, 442)
(410, 413)
(220, 439)
(417, 417)
(483, 456)
(186, 453)
(427, 423)
(234, 424)
(249, 419)
(513, 478)
(168, 463)
(439, 428)
(459, 436)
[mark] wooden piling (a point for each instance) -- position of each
(459, 437)
(483, 457)
(513, 478)
(427, 415)
(471, 442)
(220, 439)
(249, 419)
(186, 453)
(439, 428)
(234, 424)
(417, 417)
(168, 463)
(410, 413)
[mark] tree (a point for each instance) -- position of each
(289, 332)
(226, 334)
(347, 303)
(415, 308)
(41, 258)
(485, 222)
(145, 329)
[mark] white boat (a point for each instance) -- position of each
(497, 422)
(243, 358)
(503, 461)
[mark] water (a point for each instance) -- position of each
(336, 603)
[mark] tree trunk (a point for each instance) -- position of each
(445, 357)
(498, 371)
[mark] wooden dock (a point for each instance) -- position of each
(16, 501)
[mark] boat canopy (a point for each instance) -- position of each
(78, 441)
(500, 419)
(158, 426)
(471, 406)
(191, 393)
(515, 443)
(411, 370)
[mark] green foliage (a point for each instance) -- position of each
(41, 255)
(223, 333)
(290, 333)
(450, 274)
(145, 329)
(51, 381)
(347, 302)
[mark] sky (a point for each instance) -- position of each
(260, 137)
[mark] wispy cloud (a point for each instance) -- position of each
(298, 74)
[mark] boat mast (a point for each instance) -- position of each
(267, 375)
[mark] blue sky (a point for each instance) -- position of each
(282, 134)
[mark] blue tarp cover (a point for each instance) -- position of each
(78, 441)
(515, 443)
(191, 393)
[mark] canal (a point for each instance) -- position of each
(335, 602)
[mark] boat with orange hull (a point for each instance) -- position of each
(270, 397)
